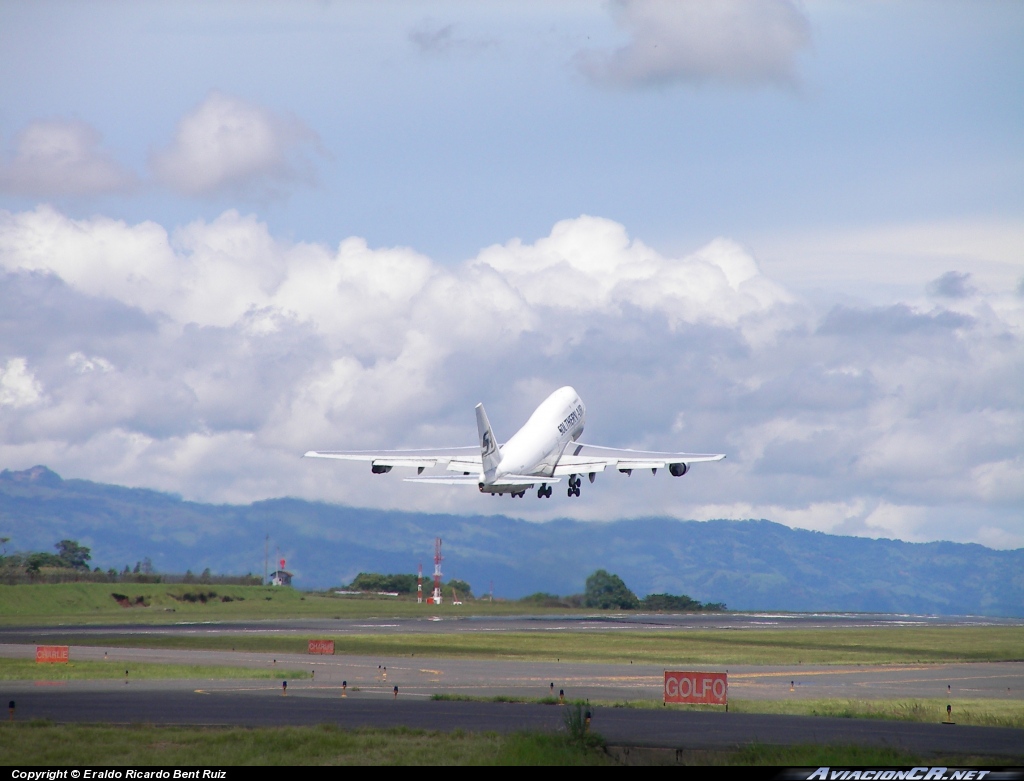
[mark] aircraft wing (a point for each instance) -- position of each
(456, 459)
(505, 481)
(580, 458)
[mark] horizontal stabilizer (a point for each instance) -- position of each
(524, 480)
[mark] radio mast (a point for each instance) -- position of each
(437, 571)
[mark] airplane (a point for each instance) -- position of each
(543, 451)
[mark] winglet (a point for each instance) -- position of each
(489, 451)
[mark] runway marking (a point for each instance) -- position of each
(805, 673)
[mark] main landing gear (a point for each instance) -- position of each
(574, 485)
(544, 492)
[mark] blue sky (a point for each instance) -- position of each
(790, 232)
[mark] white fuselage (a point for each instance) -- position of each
(537, 446)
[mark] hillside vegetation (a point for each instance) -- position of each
(748, 565)
(147, 603)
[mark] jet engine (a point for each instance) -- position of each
(380, 469)
(678, 470)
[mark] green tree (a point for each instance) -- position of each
(73, 555)
(374, 581)
(669, 602)
(461, 586)
(605, 591)
(37, 560)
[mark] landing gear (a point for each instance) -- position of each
(544, 492)
(574, 486)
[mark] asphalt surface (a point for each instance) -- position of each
(422, 676)
(266, 706)
(370, 700)
(607, 622)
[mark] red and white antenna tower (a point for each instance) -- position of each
(419, 586)
(437, 571)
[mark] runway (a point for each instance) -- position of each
(370, 700)
(422, 676)
(434, 624)
(264, 705)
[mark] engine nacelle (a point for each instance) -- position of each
(380, 469)
(678, 470)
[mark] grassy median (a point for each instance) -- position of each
(47, 744)
(886, 645)
(973, 712)
(29, 670)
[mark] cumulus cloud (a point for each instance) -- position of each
(204, 358)
(228, 143)
(55, 158)
(733, 42)
(18, 387)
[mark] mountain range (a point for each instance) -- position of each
(749, 565)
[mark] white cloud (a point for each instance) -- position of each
(204, 359)
(18, 386)
(828, 517)
(227, 143)
(83, 363)
(589, 264)
(55, 158)
(898, 522)
(735, 42)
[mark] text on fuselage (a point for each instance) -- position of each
(571, 419)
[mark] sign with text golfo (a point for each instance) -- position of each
(321, 647)
(57, 654)
(701, 688)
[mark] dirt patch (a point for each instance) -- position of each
(126, 601)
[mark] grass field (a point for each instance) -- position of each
(888, 645)
(973, 712)
(43, 744)
(50, 744)
(94, 603)
(28, 670)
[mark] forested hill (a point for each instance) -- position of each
(756, 564)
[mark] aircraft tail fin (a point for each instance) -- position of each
(489, 451)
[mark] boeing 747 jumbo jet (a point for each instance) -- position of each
(543, 451)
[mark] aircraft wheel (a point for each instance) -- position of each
(548, 494)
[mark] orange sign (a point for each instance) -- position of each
(52, 653)
(703, 688)
(321, 647)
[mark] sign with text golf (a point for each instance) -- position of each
(700, 688)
